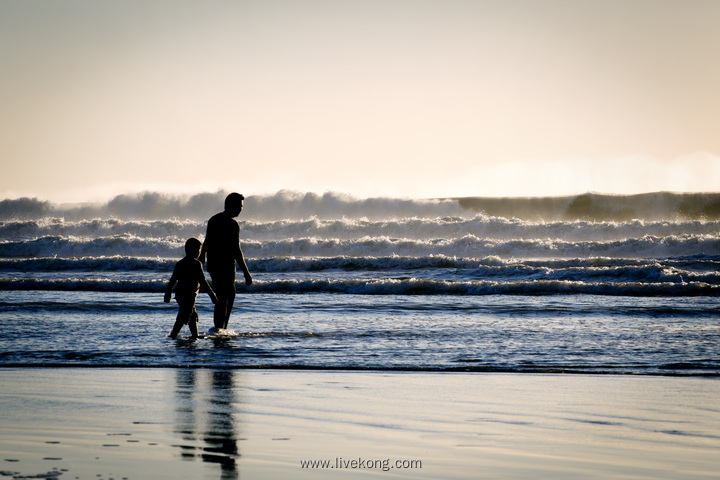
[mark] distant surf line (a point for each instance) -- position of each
(295, 205)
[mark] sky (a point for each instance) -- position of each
(401, 98)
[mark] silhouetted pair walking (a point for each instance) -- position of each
(222, 253)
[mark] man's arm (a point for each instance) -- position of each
(203, 250)
(238, 254)
(243, 266)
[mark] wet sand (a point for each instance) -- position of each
(266, 424)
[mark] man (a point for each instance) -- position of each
(222, 251)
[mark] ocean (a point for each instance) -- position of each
(579, 284)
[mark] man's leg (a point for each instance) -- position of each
(229, 302)
(219, 314)
(224, 286)
(225, 314)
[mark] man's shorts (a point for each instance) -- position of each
(223, 283)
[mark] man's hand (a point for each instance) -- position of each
(248, 279)
(167, 297)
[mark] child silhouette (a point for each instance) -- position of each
(189, 276)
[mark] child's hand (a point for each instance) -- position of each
(167, 297)
(248, 280)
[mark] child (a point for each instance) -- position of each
(189, 276)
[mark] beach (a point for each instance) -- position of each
(211, 423)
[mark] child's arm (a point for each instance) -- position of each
(200, 275)
(168, 290)
(209, 290)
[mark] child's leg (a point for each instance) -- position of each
(192, 323)
(179, 322)
(185, 311)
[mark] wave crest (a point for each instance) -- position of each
(291, 205)
(281, 205)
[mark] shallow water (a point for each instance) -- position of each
(592, 284)
(578, 333)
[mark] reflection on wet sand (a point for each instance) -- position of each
(204, 406)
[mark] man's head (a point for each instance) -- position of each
(234, 204)
(192, 247)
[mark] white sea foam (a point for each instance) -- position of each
(369, 246)
(288, 205)
(477, 237)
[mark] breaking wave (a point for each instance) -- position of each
(297, 205)
(667, 244)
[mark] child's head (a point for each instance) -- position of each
(192, 247)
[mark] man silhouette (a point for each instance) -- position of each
(222, 251)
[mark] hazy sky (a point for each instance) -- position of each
(390, 97)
